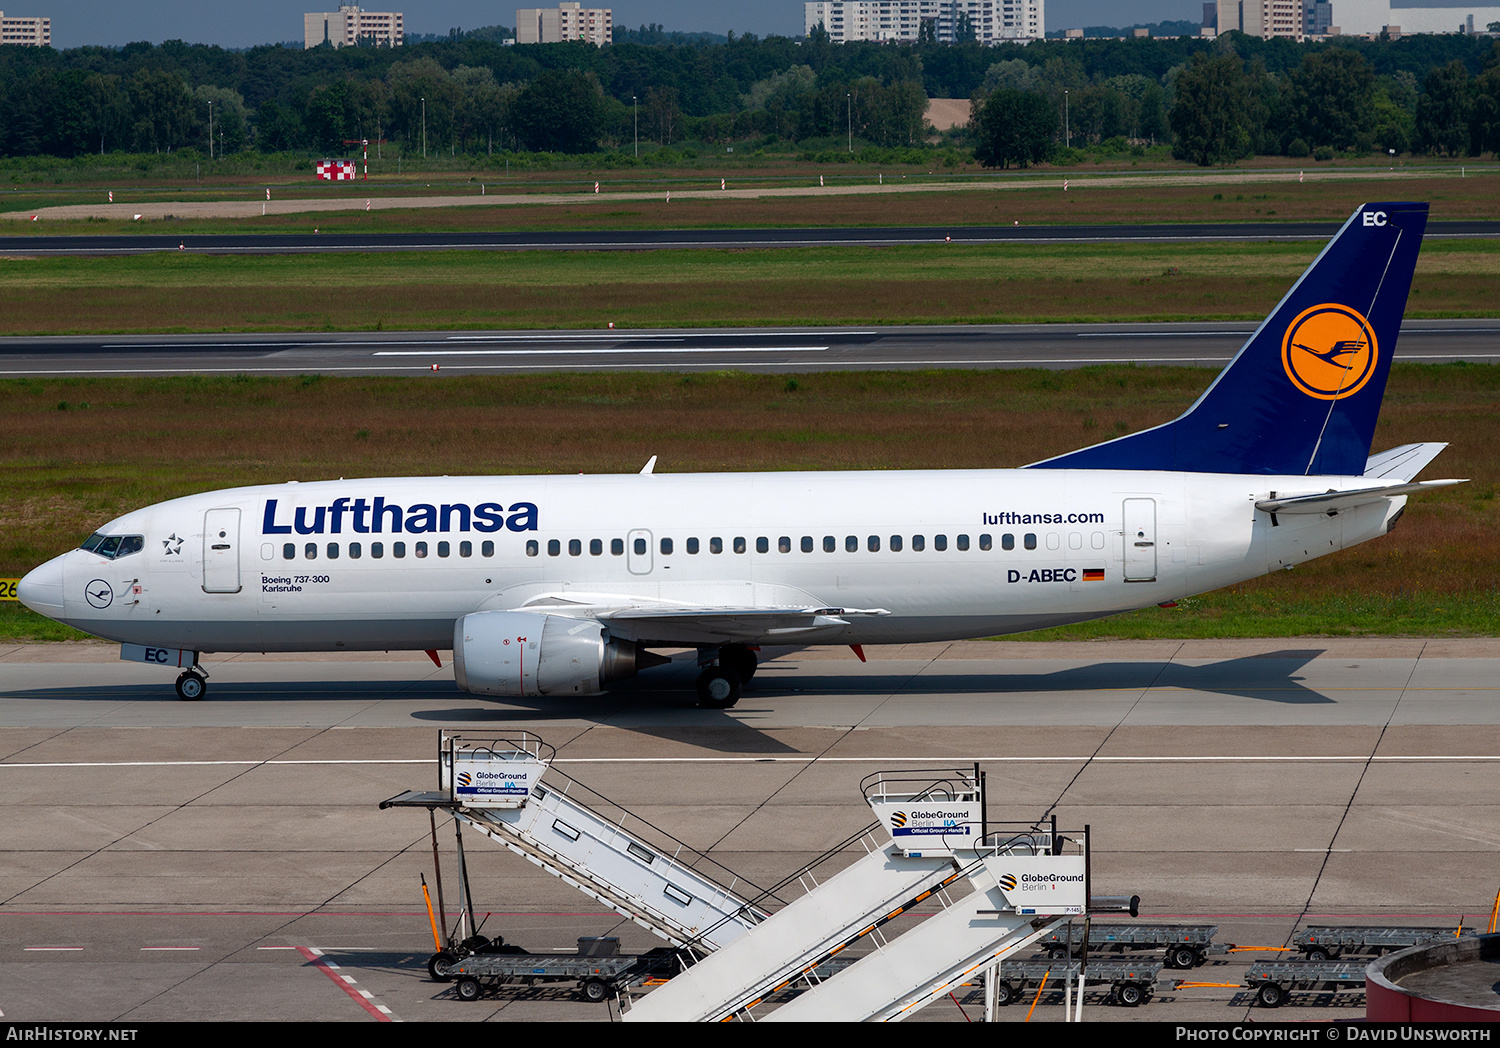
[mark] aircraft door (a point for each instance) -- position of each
(638, 552)
(221, 551)
(1140, 540)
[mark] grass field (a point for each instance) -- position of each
(937, 283)
(77, 452)
(1031, 197)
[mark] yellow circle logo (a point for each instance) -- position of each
(1329, 351)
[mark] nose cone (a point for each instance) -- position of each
(42, 589)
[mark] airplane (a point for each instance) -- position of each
(559, 585)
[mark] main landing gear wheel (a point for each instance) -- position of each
(191, 686)
(718, 688)
(739, 658)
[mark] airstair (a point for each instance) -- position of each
(494, 786)
(788, 952)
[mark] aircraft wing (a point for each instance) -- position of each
(708, 625)
(1328, 501)
(1402, 463)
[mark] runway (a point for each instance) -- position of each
(702, 239)
(808, 349)
(211, 859)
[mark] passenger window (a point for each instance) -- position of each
(1007, 541)
(596, 548)
(666, 547)
(762, 545)
(333, 551)
(554, 548)
(398, 550)
(739, 544)
(716, 545)
(310, 551)
(355, 551)
(784, 544)
(377, 550)
(533, 548)
(918, 543)
(466, 549)
(289, 551)
(873, 543)
(443, 549)
(829, 544)
(692, 547)
(1054, 541)
(985, 542)
(640, 547)
(895, 543)
(420, 549)
(617, 547)
(851, 544)
(940, 542)
(1075, 540)
(1029, 540)
(807, 543)
(575, 547)
(963, 542)
(1097, 540)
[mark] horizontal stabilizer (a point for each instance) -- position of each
(1402, 463)
(1327, 501)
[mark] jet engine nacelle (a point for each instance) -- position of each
(519, 653)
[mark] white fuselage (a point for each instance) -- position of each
(981, 553)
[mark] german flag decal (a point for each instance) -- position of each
(1093, 574)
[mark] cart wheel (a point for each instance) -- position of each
(595, 990)
(1317, 953)
(1058, 953)
(1271, 995)
(1130, 995)
(468, 988)
(439, 964)
(1182, 957)
(1004, 993)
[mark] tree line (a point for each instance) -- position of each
(472, 94)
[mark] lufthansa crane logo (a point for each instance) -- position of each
(1329, 351)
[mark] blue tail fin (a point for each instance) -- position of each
(1303, 394)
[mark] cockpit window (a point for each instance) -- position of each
(114, 546)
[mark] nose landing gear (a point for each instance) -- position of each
(191, 685)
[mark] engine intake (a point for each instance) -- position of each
(519, 653)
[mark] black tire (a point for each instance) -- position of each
(468, 988)
(739, 658)
(1131, 995)
(1058, 953)
(191, 686)
(1004, 994)
(718, 688)
(1182, 957)
(595, 990)
(438, 966)
(1271, 995)
(1317, 953)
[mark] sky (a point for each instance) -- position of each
(116, 22)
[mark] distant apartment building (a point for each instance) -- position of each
(349, 26)
(29, 32)
(1265, 18)
(987, 21)
(571, 21)
(1352, 17)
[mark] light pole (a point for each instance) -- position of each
(424, 129)
(210, 129)
(849, 116)
(1067, 128)
(637, 107)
